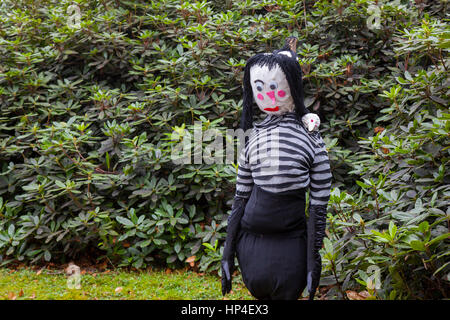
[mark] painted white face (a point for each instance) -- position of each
(271, 90)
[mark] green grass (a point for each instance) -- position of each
(149, 285)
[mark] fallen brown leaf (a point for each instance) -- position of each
(12, 296)
(102, 265)
(191, 260)
(353, 295)
(378, 129)
(364, 294)
(21, 293)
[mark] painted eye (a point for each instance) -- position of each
(273, 85)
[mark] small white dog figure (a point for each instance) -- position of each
(311, 121)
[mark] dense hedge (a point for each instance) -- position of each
(87, 113)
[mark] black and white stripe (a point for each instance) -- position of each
(282, 155)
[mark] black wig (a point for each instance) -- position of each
(293, 72)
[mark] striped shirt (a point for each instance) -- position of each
(281, 155)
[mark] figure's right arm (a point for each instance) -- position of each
(244, 180)
(244, 186)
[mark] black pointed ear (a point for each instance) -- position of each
(247, 109)
(291, 44)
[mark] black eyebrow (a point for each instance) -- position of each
(259, 81)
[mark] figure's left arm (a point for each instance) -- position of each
(319, 194)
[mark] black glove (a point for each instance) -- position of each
(316, 233)
(229, 251)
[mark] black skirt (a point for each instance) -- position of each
(271, 247)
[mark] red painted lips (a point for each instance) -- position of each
(272, 109)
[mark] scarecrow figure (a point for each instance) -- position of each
(277, 247)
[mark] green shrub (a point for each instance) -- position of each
(88, 111)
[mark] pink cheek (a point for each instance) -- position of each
(260, 96)
(281, 93)
(312, 120)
